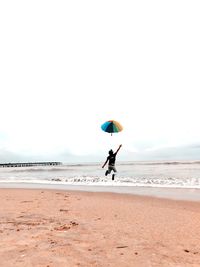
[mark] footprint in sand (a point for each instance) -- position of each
(64, 227)
(63, 210)
(122, 247)
(52, 242)
(187, 251)
(73, 223)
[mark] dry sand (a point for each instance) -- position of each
(49, 228)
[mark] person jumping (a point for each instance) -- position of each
(111, 162)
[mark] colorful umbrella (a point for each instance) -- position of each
(111, 126)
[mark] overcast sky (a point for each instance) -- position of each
(68, 66)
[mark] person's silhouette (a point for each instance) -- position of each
(111, 162)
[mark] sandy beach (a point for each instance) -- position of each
(52, 228)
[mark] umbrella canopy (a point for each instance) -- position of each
(111, 126)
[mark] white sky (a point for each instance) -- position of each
(68, 66)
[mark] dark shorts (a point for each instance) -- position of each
(111, 168)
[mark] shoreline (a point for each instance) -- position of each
(189, 194)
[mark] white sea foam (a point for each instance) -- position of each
(176, 174)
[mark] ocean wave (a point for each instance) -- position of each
(44, 169)
(154, 173)
(159, 163)
(100, 182)
(170, 181)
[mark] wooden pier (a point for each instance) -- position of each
(29, 164)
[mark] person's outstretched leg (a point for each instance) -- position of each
(108, 171)
(115, 171)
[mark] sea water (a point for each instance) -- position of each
(174, 174)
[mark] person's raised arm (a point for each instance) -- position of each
(105, 163)
(118, 149)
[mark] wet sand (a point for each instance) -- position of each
(192, 194)
(57, 228)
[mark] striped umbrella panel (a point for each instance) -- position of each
(111, 127)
